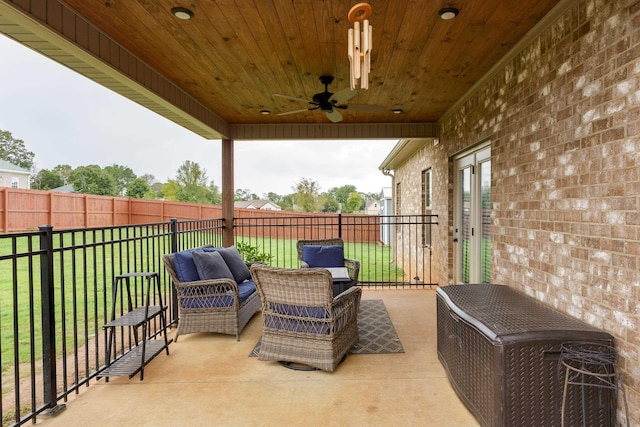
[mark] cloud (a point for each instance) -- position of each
(333, 163)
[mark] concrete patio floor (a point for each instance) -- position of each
(209, 380)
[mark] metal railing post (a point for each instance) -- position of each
(48, 321)
(173, 227)
(340, 225)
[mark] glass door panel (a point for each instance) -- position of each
(485, 230)
(472, 217)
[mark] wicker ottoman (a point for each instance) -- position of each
(500, 349)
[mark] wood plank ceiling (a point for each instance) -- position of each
(234, 55)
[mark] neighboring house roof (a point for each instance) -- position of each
(257, 204)
(10, 167)
(64, 189)
(387, 193)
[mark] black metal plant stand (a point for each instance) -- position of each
(591, 365)
(145, 349)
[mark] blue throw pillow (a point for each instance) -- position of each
(323, 256)
(235, 263)
(184, 266)
(211, 265)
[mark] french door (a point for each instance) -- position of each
(472, 216)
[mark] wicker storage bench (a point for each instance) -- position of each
(500, 349)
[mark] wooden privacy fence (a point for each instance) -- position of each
(26, 210)
(298, 225)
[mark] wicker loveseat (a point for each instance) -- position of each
(222, 304)
(302, 322)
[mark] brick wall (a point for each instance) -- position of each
(563, 118)
(410, 177)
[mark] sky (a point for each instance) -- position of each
(65, 118)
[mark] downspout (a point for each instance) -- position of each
(392, 232)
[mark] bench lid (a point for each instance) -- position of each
(504, 314)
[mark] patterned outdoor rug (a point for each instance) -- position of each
(377, 334)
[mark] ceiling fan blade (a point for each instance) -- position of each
(341, 97)
(293, 98)
(297, 111)
(334, 116)
(364, 108)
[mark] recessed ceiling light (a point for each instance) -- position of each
(182, 13)
(397, 111)
(265, 112)
(448, 13)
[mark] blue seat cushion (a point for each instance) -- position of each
(245, 290)
(184, 266)
(211, 265)
(298, 319)
(323, 256)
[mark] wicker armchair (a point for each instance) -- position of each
(210, 305)
(302, 322)
(352, 265)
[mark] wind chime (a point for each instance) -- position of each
(360, 45)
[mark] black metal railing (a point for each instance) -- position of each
(56, 288)
(390, 248)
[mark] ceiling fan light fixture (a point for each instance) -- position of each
(397, 111)
(265, 112)
(182, 13)
(448, 13)
(359, 45)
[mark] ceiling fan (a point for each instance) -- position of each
(329, 103)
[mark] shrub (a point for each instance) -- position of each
(252, 253)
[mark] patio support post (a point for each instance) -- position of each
(48, 321)
(227, 192)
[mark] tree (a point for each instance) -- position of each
(149, 179)
(193, 194)
(46, 180)
(307, 192)
(272, 197)
(287, 202)
(371, 196)
(64, 171)
(330, 204)
(122, 175)
(354, 202)
(215, 194)
(170, 190)
(156, 188)
(341, 194)
(93, 179)
(244, 194)
(190, 174)
(138, 189)
(192, 182)
(14, 151)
